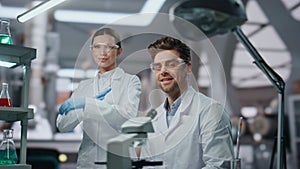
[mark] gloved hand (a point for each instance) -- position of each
(102, 94)
(77, 103)
(71, 104)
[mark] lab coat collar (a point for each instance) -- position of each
(117, 73)
(182, 112)
(106, 75)
(174, 105)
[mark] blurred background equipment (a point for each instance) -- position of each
(263, 125)
(43, 158)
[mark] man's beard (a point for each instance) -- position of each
(172, 90)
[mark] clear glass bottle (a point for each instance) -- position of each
(5, 99)
(5, 36)
(8, 154)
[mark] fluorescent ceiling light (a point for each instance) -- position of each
(7, 64)
(87, 17)
(10, 12)
(38, 9)
(76, 16)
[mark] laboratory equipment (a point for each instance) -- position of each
(5, 36)
(5, 99)
(134, 135)
(8, 154)
(238, 144)
(14, 56)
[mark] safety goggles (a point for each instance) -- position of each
(98, 47)
(168, 64)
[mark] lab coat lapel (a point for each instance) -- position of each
(118, 73)
(116, 78)
(95, 85)
(183, 115)
(161, 121)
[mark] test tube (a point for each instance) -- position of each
(238, 138)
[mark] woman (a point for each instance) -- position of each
(101, 104)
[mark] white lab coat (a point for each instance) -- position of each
(199, 135)
(101, 120)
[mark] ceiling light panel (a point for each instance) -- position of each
(118, 18)
(118, 6)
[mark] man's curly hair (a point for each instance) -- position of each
(169, 43)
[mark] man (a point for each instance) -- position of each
(192, 131)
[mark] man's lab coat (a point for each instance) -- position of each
(101, 119)
(199, 135)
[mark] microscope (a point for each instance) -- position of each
(134, 134)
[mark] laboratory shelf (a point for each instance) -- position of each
(16, 166)
(15, 114)
(17, 54)
(20, 56)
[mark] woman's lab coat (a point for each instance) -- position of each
(101, 120)
(199, 135)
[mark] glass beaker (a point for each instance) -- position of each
(8, 154)
(5, 99)
(5, 36)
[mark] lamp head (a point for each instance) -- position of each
(210, 16)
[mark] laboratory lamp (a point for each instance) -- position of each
(38, 9)
(214, 17)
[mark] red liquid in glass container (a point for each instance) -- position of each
(5, 102)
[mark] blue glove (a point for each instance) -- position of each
(71, 104)
(102, 94)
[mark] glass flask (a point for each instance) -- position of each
(5, 36)
(5, 99)
(8, 154)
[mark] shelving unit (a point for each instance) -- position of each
(17, 166)
(21, 56)
(294, 121)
